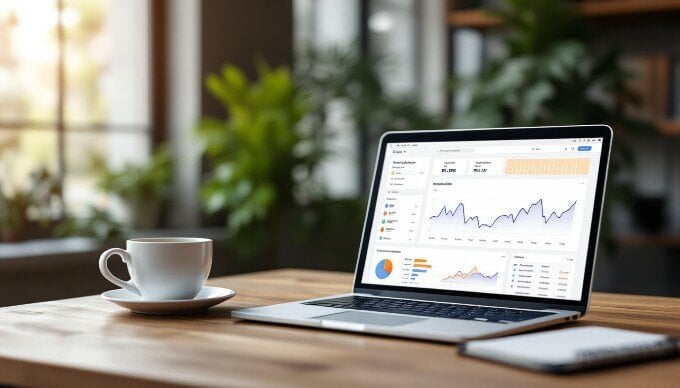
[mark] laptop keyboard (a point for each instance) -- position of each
(430, 309)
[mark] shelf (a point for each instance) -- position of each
(473, 18)
(626, 7)
(669, 127)
(477, 18)
(668, 241)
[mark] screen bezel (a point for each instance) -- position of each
(488, 134)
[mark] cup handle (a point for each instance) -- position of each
(104, 269)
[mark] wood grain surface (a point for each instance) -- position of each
(90, 342)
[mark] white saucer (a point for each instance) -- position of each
(207, 297)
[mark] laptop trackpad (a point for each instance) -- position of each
(370, 318)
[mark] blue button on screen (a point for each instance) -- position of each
(584, 148)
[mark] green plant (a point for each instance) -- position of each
(47, 198)
(261, 160)
(353, 78)
(97, 223)
(14, 215)
(37, 206)
(263, 157)
(142, 187)
(550, 75)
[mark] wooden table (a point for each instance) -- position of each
(90, 342)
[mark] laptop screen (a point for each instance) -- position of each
(506, 217)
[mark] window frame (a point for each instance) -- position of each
(154, 129)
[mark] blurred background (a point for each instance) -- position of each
(255, 122)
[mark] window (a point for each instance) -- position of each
(74, 87)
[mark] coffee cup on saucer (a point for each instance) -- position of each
(161, 269)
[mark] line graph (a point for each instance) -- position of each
(472, 277)
(527, 213)
(533, 217)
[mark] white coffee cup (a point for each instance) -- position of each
(166, 268)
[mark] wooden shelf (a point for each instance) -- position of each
(472, 18)
(626, 7)
(669, 127)
(477, 18)
(641, 240)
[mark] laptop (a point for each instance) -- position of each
(471, 234)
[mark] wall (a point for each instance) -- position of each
(202, 37)
(239, 32)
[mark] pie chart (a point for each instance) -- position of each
(383, 269)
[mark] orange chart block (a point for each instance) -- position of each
(388, 266)
(421, 263)
(579, 166)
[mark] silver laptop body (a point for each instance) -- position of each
(471, 234)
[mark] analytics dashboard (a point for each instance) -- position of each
(501, 217)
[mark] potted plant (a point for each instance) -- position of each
(261, 160)
(355, 79)
(13, 213)
(96, 223)
(550, 75)
(142, 188)
(31, 212)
